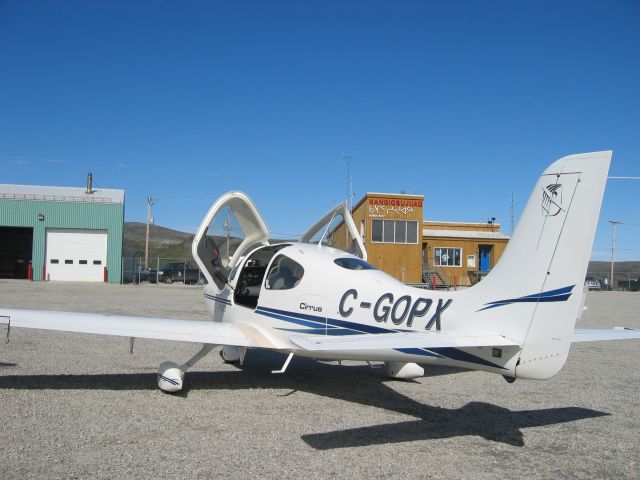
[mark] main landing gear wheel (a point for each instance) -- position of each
(171, 375)
(403, 371)
(230, 354)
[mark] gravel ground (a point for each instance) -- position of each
(80, 406)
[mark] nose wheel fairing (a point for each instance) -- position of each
(171, 375)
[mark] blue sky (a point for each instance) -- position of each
(463, 102)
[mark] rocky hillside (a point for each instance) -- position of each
(163, 242)
(622, 270)
(167, 243)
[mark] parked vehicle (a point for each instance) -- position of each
(592, 283)
(138, 275)
(176, 272)
(629, 285)
(133, 271)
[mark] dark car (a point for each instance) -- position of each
(137, 274)
(176, 272)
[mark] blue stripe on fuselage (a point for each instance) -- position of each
(296, 317)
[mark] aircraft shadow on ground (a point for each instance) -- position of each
(356, 384)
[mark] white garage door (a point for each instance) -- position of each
(76, 255)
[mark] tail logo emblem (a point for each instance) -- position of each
(552, 200)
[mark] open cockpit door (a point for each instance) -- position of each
(336, 229)
(231, 228)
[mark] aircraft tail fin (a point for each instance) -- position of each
(533, 295)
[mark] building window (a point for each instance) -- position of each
(394, 231)
(68, 262)
(401, 232)
(82, 262)
(412, 232)
(55, 261)
(447, 257)
(97, 262)
(376, 231)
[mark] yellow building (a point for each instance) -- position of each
(401, 243)
(460, 253)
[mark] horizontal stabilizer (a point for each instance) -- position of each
(594, 334)
(384, 341)
(139, 327)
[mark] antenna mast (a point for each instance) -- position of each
(150, 202)
(347, 159)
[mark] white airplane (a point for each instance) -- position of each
(310, 299)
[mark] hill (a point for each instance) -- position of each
(167, 243)
(622, 270)
(163, 242)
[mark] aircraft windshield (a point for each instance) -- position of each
(336, 229)
(331, 233)
(353, 264)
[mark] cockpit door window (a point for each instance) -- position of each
(231, 229)
(336, 229)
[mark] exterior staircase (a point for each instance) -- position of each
(434, 279)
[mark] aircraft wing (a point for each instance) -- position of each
(140, 327)
(594, 334)
(397, 340)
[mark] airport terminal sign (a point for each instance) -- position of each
(381, 207)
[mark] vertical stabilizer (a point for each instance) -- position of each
(533, 295)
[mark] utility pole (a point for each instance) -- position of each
(512, 208)
(613, 248)
(150, 202)
(228, 227)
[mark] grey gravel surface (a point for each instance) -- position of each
(80, 406)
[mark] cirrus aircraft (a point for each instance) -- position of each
(311, 299)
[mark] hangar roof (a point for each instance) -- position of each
(60, 194)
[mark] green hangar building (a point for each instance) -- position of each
(61, 233)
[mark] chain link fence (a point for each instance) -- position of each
(161, 270)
